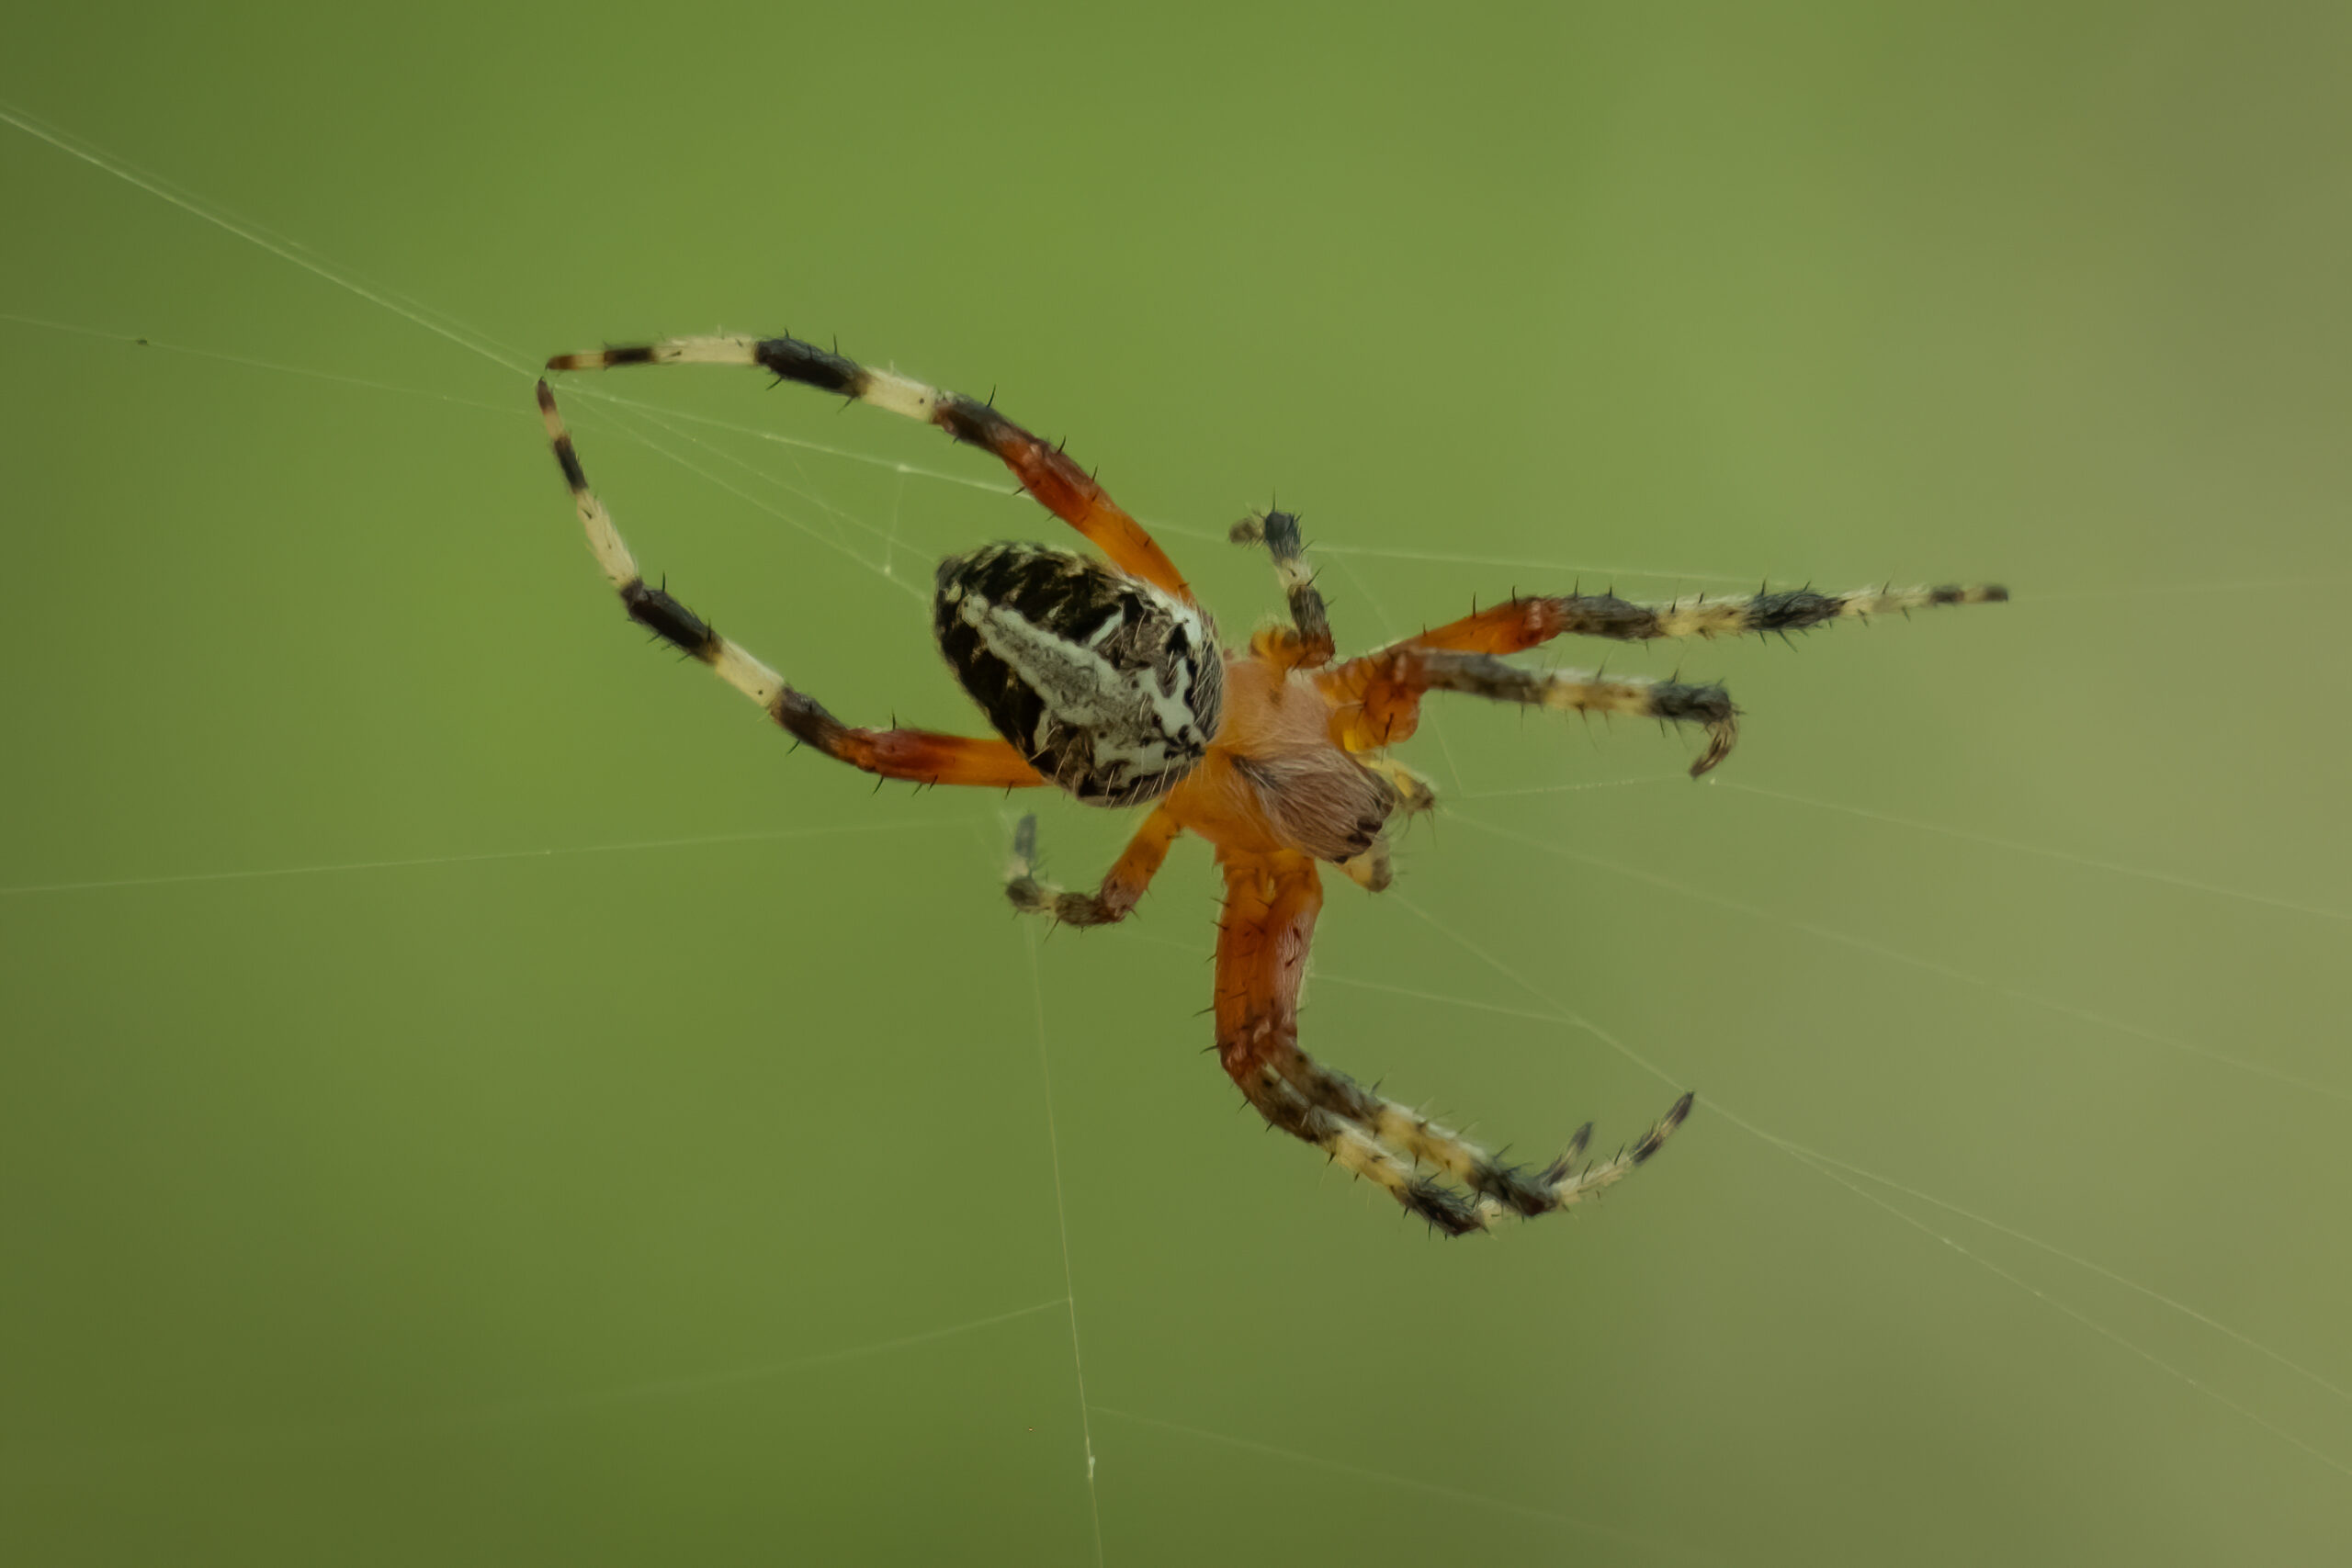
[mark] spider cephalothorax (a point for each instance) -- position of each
(1106, 679)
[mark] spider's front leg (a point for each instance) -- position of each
(1262, 941)
(1121, 890)
(921, 756)
(1379, 694)
(1376, 700)
(1305, 643)
(1517, 624)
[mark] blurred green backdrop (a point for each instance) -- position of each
(471, 1097)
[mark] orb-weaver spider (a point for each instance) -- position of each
(1106, 679)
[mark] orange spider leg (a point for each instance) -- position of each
(1061, 485)
(1262, 938)
(1063, 489)
(1270, 904)
(1121, 890)
(1519, 624)
(919, 755)
(1376, 700)
(1511, 627)
(922, 756)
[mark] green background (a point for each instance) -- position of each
(470, 1096)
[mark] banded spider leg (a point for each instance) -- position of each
(920, 755)
(1044, 471)
(1386, 688)
(1271, 902)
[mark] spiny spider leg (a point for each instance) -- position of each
(1305, 643)
(1122, 889)
(1271, 905)
(1379, 695)
(1519, 624)
(1059, 484)
(919, 755)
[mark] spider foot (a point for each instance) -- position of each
(1432, 1171)
(1034, 897)
(1497, 1190)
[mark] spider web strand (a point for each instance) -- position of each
(1716, 1106)
(1061, 1221)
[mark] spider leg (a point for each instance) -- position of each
(919, 755)
(1519, 624)
(1377, 699)
(1271, 905)
(1305, 643)
(1121, 889)
(1059, 484)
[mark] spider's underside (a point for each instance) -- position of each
(1106, 679)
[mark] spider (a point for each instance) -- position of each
(1106, 679)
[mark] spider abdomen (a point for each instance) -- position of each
(1109, 686)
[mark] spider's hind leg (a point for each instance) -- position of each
(921, 756)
